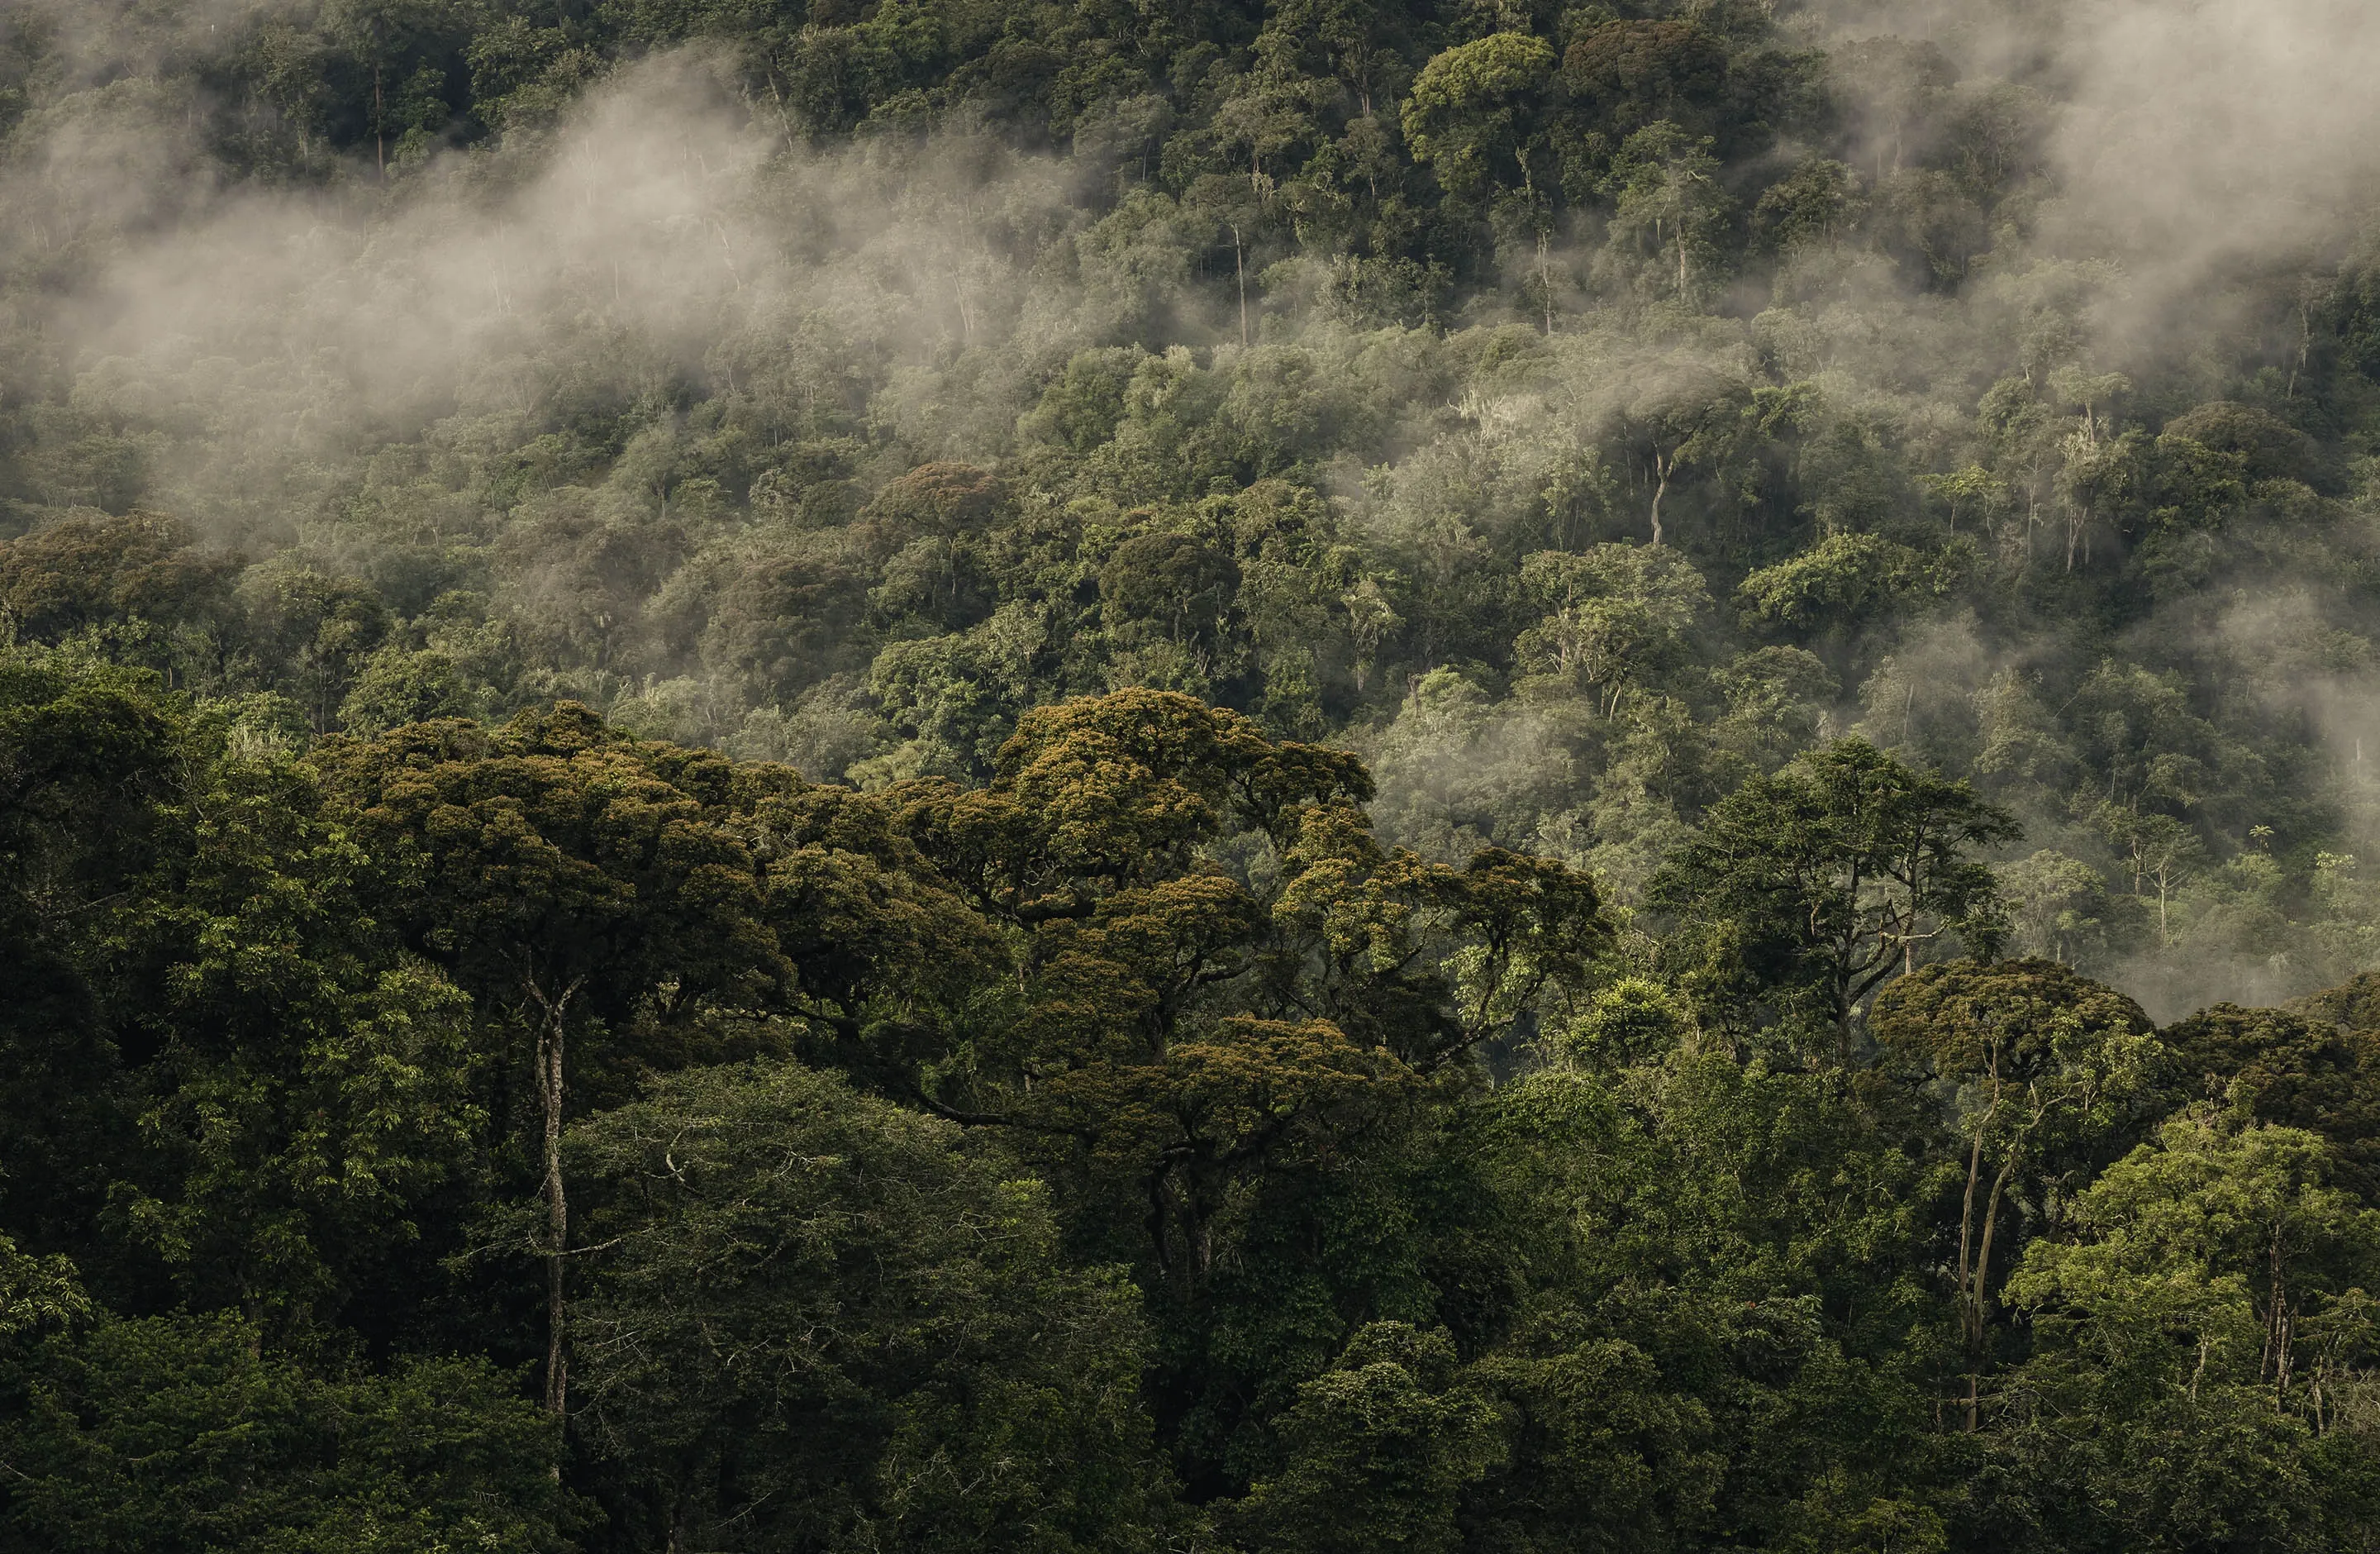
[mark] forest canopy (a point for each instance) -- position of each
(1282, 776)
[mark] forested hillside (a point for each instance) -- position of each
(1288, 778)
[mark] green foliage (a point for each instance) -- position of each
(1615, 615)
(1812, 889)
(2042, 1071)
(1379, 1450)
(817, 1321)
(1036, 697)
(1473, 113)
(2278, 1068)
(1667, 205)
(37, 1292)
(89, 570)
(1844, 577)
(2213, 1290)
(177, 1433)
(1631, 1023)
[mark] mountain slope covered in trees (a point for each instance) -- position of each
(1273, 777)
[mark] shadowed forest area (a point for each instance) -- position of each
(1277, 778)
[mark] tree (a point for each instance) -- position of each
(1602, 1450)
(37, 1293)
(1379, 1451)
(2267, 447)
(1612, 614)
(397, 687)
(2038, 1066)
(1622, 75)
(1836, 583)
(953, 696)
(1168, 580)
(2154, 850)
(889, 958)
(2202, 1321)
(1477, 115)
(2280, 1066)
(318, 630)
(1717, 1286)
(2053, 904)
(1974, 490)
(180, 1432)
(82, 572)
(1473, 113)
(2097, 472)
(1087, 842)
(393, 55)
(1665, 200)
(2353, 1006)
(1814, 887)
(1807, 208)
(816, 1318)
(565, 875)
(1230, 1001)
(308, 1085)
(90, 756)
(1360, 40)
(781, 622)
(1892, 84)
(214, 1054)
(1676, 416)
(1635, 1021)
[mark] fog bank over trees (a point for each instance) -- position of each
(2003, 360)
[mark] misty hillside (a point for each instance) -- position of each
(1286, 778)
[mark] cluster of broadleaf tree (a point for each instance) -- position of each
(532, 1136)
(1294, 776)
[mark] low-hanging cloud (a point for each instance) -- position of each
(657, 233)
(2198, 132)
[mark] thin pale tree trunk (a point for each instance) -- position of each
(1663, 467)
(557, 1206)
(1240, 268)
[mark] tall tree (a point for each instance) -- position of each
(1478, 116)
(818, 1320)
(1809, 890)
(2039, 1066)
(570, 877)
(2203, 1320)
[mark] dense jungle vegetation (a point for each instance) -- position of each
(1297, 776)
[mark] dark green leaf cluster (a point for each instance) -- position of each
(537, 1135)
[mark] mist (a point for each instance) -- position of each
(550, 386)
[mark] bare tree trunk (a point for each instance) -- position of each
(681, 1537)
(1546, 281)
(1240, 267)
(1663, 467)
(1971, 1306)
(2276, 1324)
(557, 1224)
(557, 1208)
(784, 120)
(1979, 1315)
